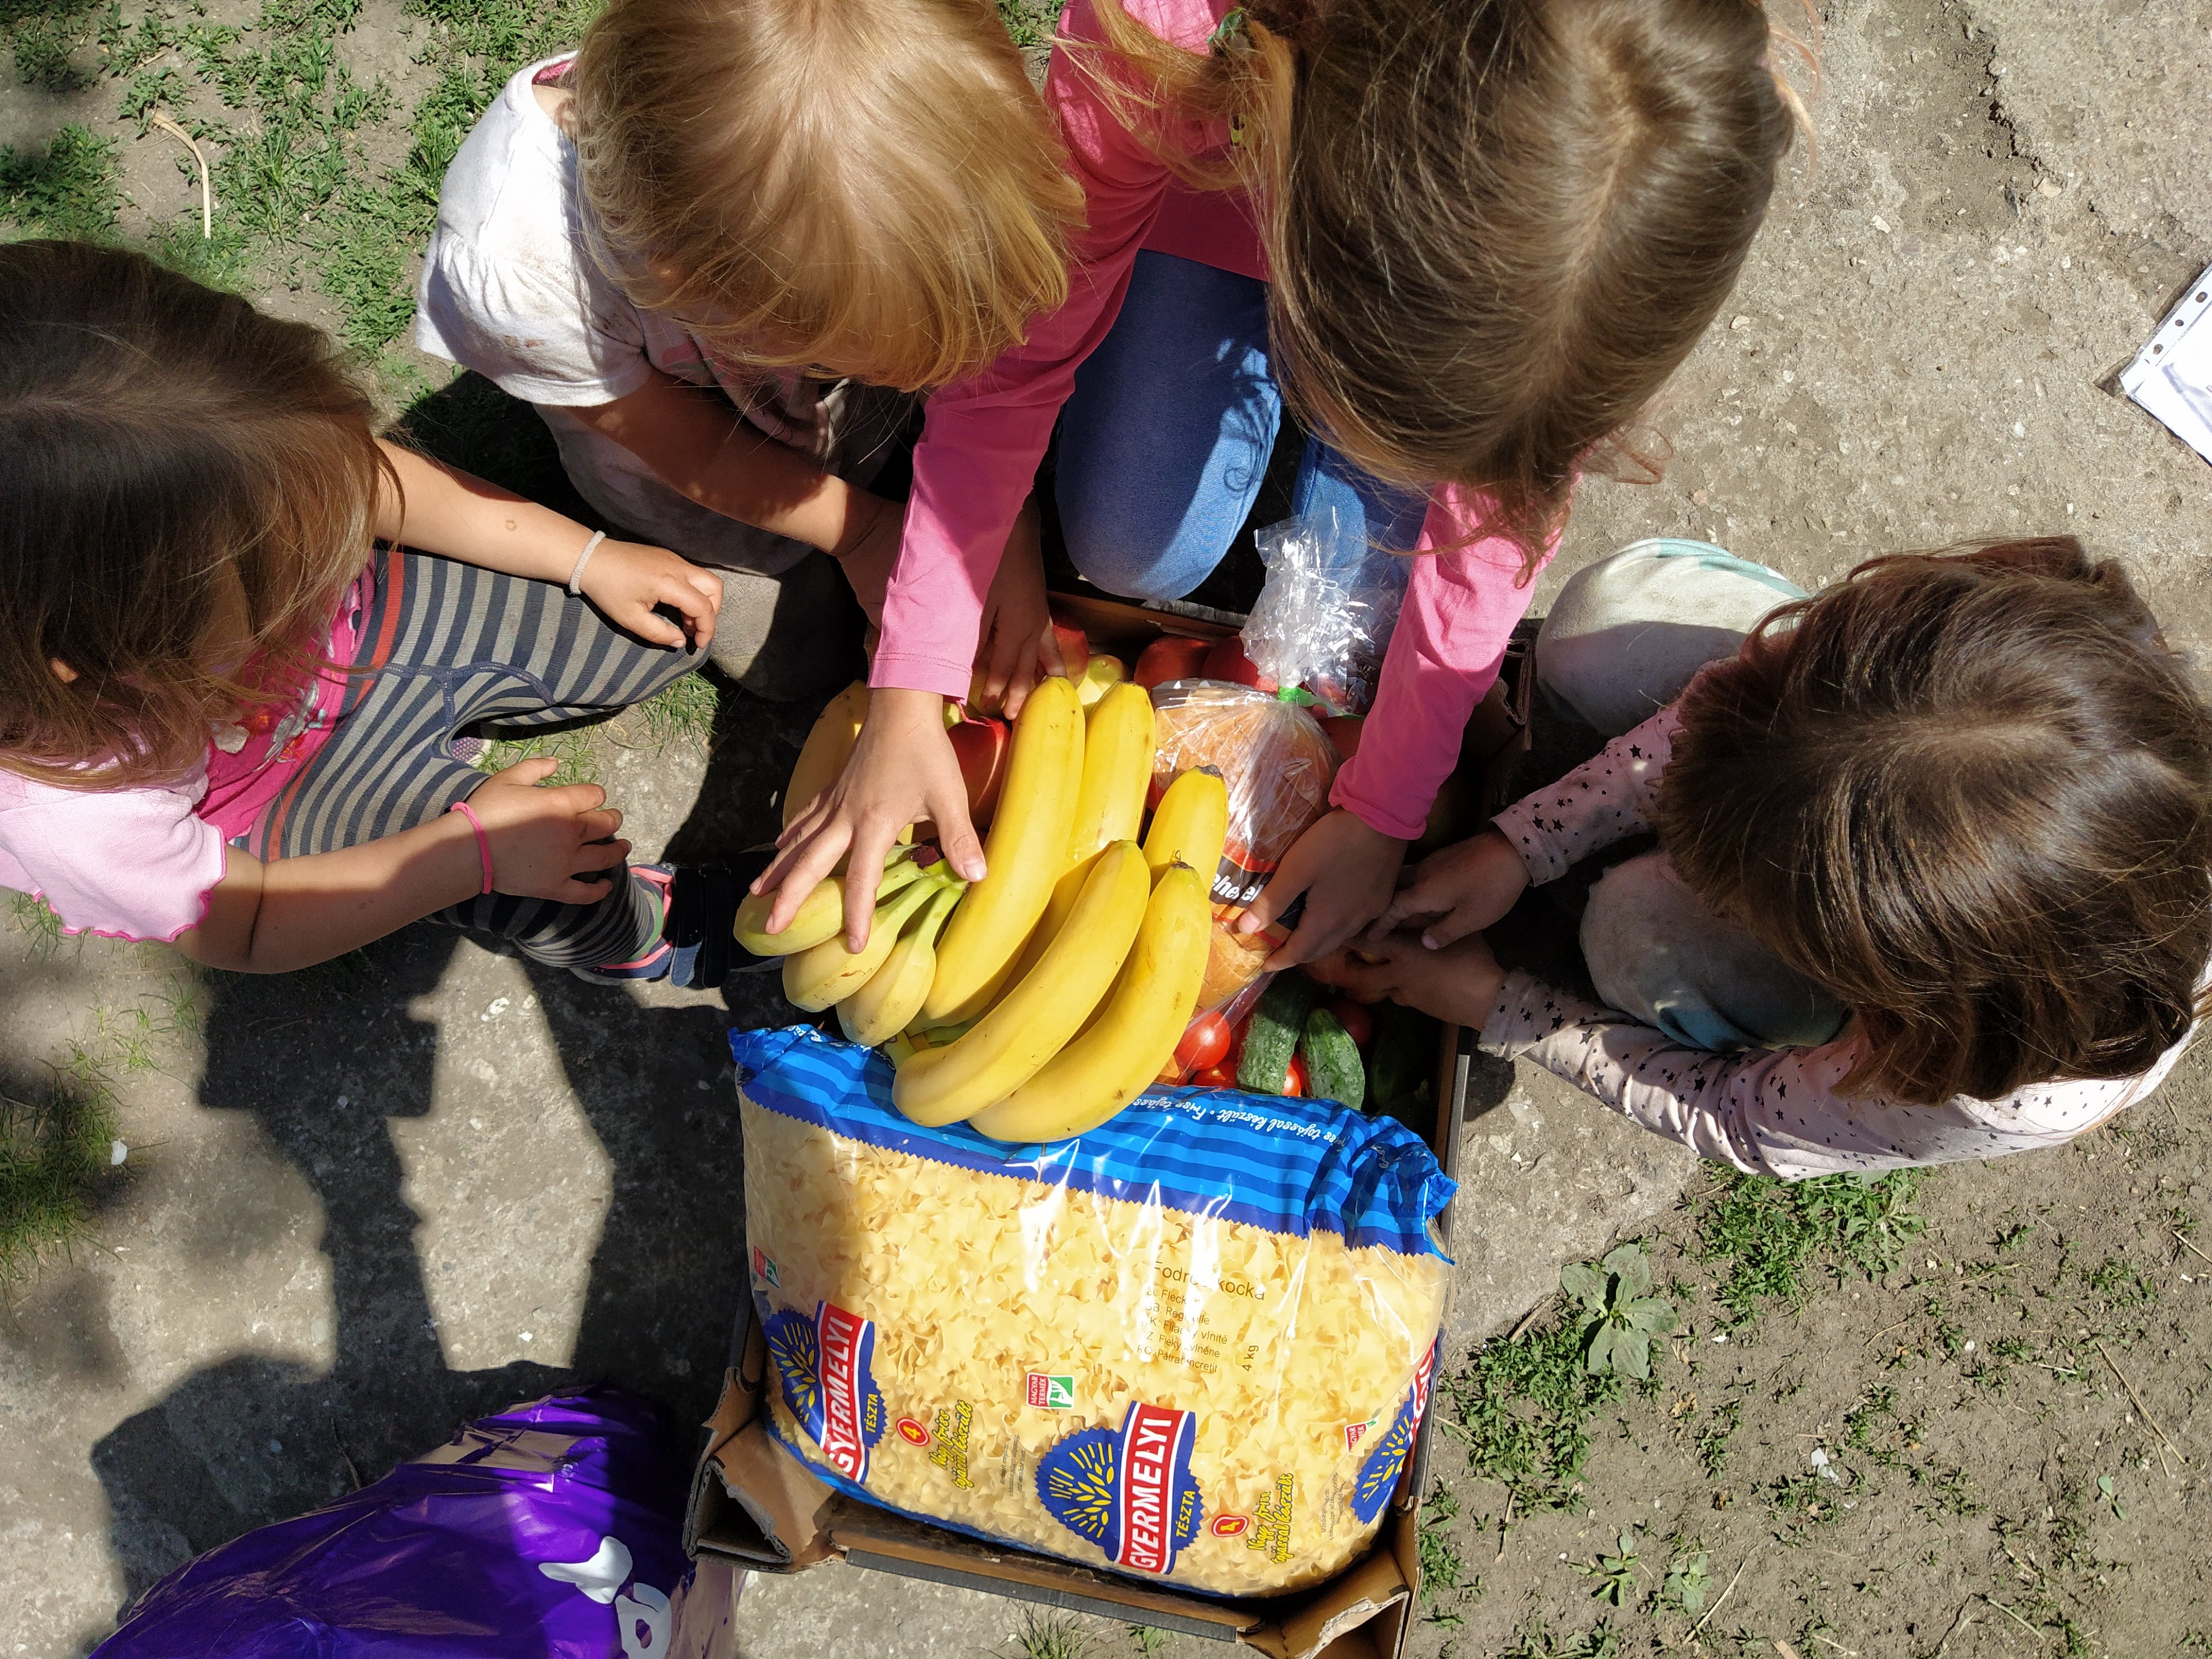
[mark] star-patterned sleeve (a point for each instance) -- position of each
(1603, 800)
(1777, 1111)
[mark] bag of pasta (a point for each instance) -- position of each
(1193, 1345)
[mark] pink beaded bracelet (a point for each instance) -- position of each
(483, 842)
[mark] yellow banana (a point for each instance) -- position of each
(826, 973)
(1010, 1044)
(879, 1010)
(1025, 852)
(821, 914)
(1133, 1036)
(828, 745)
(1117, 769)
(1190, 824)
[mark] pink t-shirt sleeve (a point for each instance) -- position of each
(983, 437)
(134, 864)
(1443, 658)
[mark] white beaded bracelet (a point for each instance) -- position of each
(576, 576)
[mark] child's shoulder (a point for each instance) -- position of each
(512, 176)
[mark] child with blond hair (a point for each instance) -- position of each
(1465, 241)
(706, 244)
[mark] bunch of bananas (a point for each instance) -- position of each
(1037, 1002)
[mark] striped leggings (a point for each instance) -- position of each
(446, 646)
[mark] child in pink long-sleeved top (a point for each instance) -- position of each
(1466, 243)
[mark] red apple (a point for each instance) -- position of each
(1170, 657)
(1227, 662)
(980, 743)
(1074, 649)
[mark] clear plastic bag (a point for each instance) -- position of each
(1193, 1345)
(1324, 615)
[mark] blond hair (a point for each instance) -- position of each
(1494, 228)
(157, 439)
(868, 186)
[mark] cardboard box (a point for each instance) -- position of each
(754, 1507)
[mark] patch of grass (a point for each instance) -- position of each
(576, 757)
(33, 916)
(1049, 1636)
(680, 711)
(1148, 1639)
(1522, 1408)
(1712, 1442)
(1774, 1237)
(1534, 1640)
(71, 188)
(1031, 22)
(46, 36)
(53, 1150)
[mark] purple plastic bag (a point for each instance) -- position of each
(551, 1531)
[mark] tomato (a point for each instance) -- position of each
(1217, 1077)
(1294, 1084)
(1205, 1042)
(1359, 1024)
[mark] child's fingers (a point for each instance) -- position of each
(799, 866)
(1274, 898)
(957, 838)
(526, 773)
(864, 873)
(598, 826)
(599, 855)
(1450, 928)
(573, 891)
(576, 799)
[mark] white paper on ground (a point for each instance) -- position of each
(2170, 377)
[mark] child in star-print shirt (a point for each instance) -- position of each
(1935, 870)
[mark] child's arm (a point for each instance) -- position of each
(1765, 1111)
(1464, 889)
(1443, 657)
(273, 918)
(441, 509)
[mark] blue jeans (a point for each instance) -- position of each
(1163, 444)
(1622, 639)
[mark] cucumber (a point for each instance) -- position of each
(1399, 1058)
(1334, 1070)
(1271, 1036)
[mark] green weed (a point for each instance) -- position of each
(33, 916)
(1689, 1579)
(1049, 1636)
(1621, 1318)
(53, 1150)
(680, 711)
(69, 189)
(1148, 1639)
(45, 36)
(1773, 1235)
(1712, 1442)
(1534, 1640)
(1523, 1408)
(1616, 1574)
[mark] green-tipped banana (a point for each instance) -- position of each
(879, 1010)
(824, 974)
(821, 914)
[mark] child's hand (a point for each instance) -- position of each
(1463, 887)
(627, 580)
(902, 770)
(1458, 983)
(541, 838)
(1016, 647)
(1344, 869)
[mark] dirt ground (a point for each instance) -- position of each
(359, 1205)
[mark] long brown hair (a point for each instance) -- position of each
(869, 184)
(159, 440)
(1970, 793)
(1494, 228)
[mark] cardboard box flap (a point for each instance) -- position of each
(868, 1536)
(1358, 1596)
(752, 1503)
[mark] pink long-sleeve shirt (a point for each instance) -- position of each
(983, 438)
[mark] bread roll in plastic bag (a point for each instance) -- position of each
(1271, 754)
(1193, 1345)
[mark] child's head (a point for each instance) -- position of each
(184, 484)
(1494, 226)
(1970, 793)
(871, 186)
